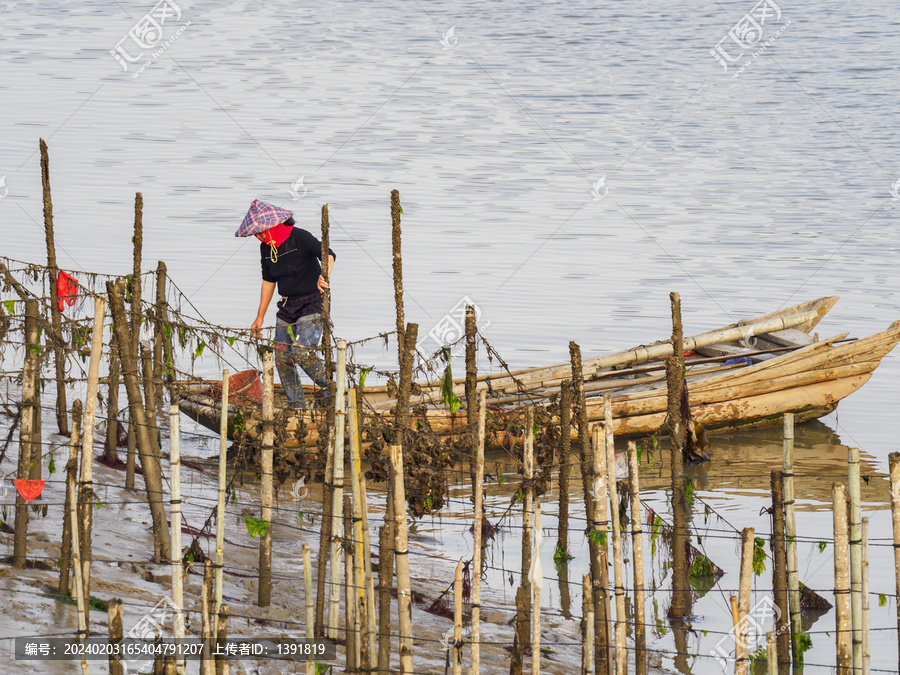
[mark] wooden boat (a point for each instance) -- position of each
(748, 374)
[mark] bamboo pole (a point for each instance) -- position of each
(360, 541)
(158, 336)
(471, 374)
(28, 454)
(527, 510)
(843, 642)
(565, 426)
(175, 501)
(742, 649)
(536, 580)
(207, 664)
(385, 585)
(350, 617)
(894, 462)
(853, 491)
(865, 596)
(675, 375)
(149, 460)
(221, 637)
(80, 599)
(266, 462)
(787, 473)
(401, 556)
(637, 548)
(477, 536)
(310, 606)
(134, 332)
(771, 653)
(587, 649)
(397, 264)
(457, 620)
(115, 636)
(338, 493)
(599, 552)
(112, 403)
(326, 295)
(59, 358)
(66, 551)
(150, 396)
(618, 566)
(86, 487)
(220, 507)
(325, 531)
(736, 622)
(779, 581)
(371, 629)
(520, 638)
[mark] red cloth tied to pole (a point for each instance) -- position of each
(66, 289)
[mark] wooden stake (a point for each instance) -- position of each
(675, 375)
(401, 556)
(158, 336)
(149, 461)
(520, 638)
(175, 502)
(28, 453)
(865, 596)
(527, 510)
(220, 507)
(310, 607)
(771, 653)
(221, 637)
(385, 585)
(894, 461)
(340, 411)
(843, 641)
(115, 635)
(618, 566)
(80, 598)
(266, 462)
(597, 544)
(637, 548)
(326, 296)
(350, 618)
(471, 374)
(207, 664)
(150, 395)
(853, 491)
(135, 328)
(86, 494)
(779, 581)
(565, 426)
(477, 535)
(536, 583)
(587, 649)
(66, 551)
(371, 630)
(360, 540)
(787, 470)
(52, 272)
(112, 404)
(456, 651)
(742, 650)
(325, 531)
(397, 260)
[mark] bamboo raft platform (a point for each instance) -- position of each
(782, 368)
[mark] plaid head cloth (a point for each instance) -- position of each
(261, 217)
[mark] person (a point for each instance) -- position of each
(290, 259)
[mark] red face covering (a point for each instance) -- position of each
(277, 235)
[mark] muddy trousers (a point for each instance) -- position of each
(296, 345)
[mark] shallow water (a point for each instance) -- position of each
(743, 194)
